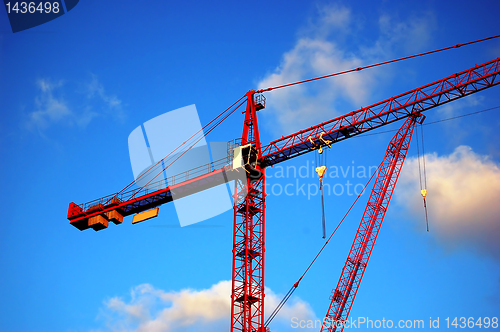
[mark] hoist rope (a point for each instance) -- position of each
(292, 289)
(191, 146)
(322, 209)
(376, 64)
(423, 155)
(424, 187)
(418, 159)
(321, 162)
(280, 305)
(425, 176)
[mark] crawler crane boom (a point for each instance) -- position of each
(355, 265)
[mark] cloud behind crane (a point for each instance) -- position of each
(59, 102)
(153, 310)
(463, 190)
(331, 44)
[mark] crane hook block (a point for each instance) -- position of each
(327, 142)
(321, 140)
(424, 193)
(321, 172)
(314, 145)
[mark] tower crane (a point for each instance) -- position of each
(247, 297)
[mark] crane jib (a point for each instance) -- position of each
(388, 111)
(349, 125)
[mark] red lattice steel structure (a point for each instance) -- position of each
(355, 265)
(385, 112)
(247, 298)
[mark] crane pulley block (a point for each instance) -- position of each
(321, 142)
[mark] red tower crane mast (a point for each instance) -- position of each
(247, 298)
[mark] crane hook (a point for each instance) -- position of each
(424, 195)
(321, 170)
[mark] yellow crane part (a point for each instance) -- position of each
(321, 172)
(327, 142)
(315, 146)
(145, 215)
(424, 195)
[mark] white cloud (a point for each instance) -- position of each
(302, 105)
(412, 34)
(330, 45)
(154, 310)
(454, 129)
(49, 108)
(96, 89)
(463, 190)
(330, 18)
(53, 107)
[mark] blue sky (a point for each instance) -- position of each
(73, 89)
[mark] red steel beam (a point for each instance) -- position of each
(147, 199)
(380, 114)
